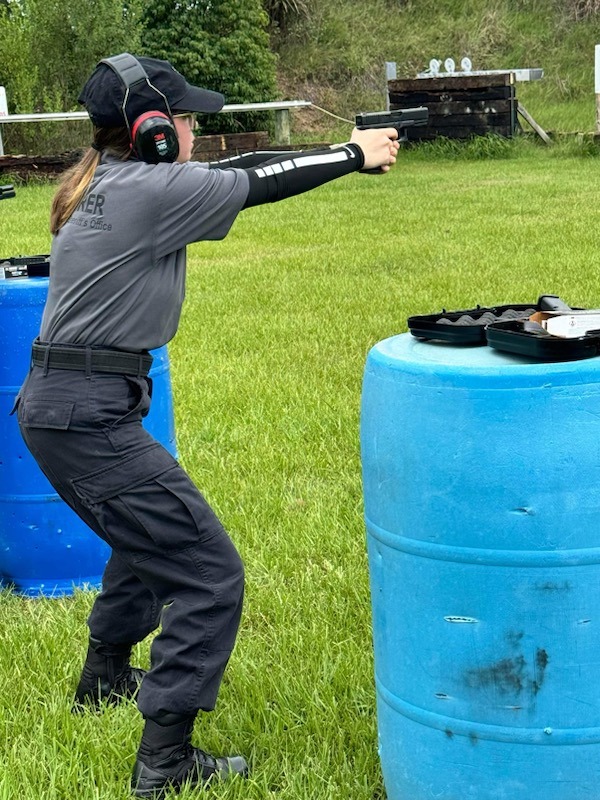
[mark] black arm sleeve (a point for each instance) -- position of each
(248, 160)
(293, 173)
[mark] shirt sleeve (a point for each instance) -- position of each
(197, 204)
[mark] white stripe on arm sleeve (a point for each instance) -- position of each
(249, 160)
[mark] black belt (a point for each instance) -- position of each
(90, 359)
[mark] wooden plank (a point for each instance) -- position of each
(412, 99)
(285, 148)
(445, 109)
(537, 128)
(514, 116)
(466, 120)
(429, 134)
(25, 166)
(229, 143)
(459, 83)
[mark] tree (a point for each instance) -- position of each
(50, 47)
(70, 37)
(17, 74)
(218, 44)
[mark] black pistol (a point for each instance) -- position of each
(6, 191)
(401, 120)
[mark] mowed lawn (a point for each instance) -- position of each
(266, 371)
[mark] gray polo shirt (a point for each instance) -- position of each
(117, 267)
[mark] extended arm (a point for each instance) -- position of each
(290, 173)
(293, 173)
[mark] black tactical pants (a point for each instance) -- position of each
(172, 562)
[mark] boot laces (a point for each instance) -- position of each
(128, 680)
(204, 759)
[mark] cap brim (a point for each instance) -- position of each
(199, 100)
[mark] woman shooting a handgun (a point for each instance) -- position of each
(121, 220)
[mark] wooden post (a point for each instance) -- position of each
(3, 113)
(282, 126)
(537, 128)
(598, 88)
(390, 75)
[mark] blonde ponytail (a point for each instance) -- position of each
(73, 186)
(75, 181)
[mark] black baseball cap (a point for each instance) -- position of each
(104, 93)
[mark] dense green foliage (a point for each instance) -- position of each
(220, 45)
(49, 47)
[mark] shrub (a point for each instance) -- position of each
(226, 48)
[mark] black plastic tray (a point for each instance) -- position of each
(467, 326)
(525, 339)
(25, 267)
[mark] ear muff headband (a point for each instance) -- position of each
(152, 133)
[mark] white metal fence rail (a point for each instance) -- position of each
(281, 108)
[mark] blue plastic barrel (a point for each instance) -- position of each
(45, 549)
(481, 480)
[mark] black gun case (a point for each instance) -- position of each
(507, 328)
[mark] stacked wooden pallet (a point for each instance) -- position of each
(459, 106)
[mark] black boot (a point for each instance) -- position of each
(166, 759)
(107, 675)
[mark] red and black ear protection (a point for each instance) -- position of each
(152, 132)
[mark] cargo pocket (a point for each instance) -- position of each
(186, 516)
(170, 511)
(147, 505)
(124, 474)
(47, 413)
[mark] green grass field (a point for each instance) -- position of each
(267, 370)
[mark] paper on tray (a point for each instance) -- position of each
(568, 325)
